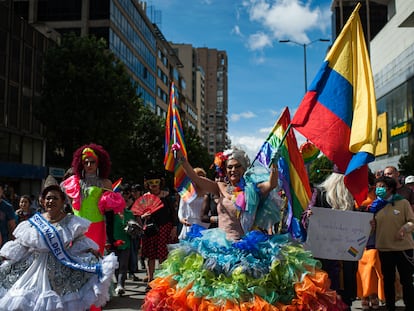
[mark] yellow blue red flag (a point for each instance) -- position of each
(338, 113)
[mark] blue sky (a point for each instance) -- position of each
(264, 75)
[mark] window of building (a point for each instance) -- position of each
(27, 68)
(25, 114)
(98, 9)
(66, 10)
(2, 103)
(13, 106)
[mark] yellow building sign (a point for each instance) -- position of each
(400, 129)
(382, 144)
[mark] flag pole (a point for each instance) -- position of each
(280, 144)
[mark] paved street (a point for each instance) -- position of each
(135, 293)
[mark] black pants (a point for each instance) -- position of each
(390, 261)
(348, 269)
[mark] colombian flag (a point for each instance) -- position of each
(338, 113)
(291, 168)
(174, 133)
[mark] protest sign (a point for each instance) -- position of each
(335, 234)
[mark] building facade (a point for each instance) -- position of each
(22, 146)
(215, 66)
(195, 83)
(392, 61)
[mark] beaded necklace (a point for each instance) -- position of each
(237, 194)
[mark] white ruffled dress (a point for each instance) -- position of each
(33, 279)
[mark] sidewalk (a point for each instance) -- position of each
(135, 293)
(133, 297)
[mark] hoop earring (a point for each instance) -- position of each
(83, 173)
(97, 171)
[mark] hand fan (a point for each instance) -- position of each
(146, 203)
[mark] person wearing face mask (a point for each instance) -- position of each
(394, 223)
(370, 285)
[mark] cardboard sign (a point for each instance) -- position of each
(334, 234)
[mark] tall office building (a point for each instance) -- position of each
(195, 84)
(215, 66)
(389, 30)
(131, 36)
(22, 144)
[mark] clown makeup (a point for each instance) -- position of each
(90, 165)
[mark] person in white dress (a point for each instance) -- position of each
(51, 264)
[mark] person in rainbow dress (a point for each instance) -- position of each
(239, 266)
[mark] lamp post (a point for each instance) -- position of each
(304, 45)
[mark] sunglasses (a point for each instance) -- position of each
(153, 182)
(89, 162)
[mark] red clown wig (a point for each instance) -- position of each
(103, 160)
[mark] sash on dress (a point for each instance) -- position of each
(56, 247)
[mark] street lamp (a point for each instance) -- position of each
(304, 55)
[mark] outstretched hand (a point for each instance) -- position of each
(276, 156)
(175, 147)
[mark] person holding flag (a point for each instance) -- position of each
(239, 263)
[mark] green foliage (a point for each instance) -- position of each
(319, 169)
(87, 97)
(406, 164)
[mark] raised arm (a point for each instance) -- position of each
(267, 186)
(203, 184)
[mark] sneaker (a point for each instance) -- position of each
(120, 291)
(133, 277)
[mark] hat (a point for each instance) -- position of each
(409, 179)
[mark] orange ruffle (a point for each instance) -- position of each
(312, 293)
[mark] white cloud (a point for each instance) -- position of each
(250, 144)
(236, 30)
(285, 19)
(243, 115)
(258, 41)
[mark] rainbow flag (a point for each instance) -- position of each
(338, 113)
(174, 133)
(291, 168)
(116, 186)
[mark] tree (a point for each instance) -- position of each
(87, 97)
(319, 169)
(406, 163)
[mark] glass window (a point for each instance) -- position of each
(52, 10)
(14, 155)
(2, 102)
(27, 150)
(98, 9)
(13, 106)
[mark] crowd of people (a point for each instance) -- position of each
(65, 248)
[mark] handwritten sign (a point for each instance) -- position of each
(334, 234)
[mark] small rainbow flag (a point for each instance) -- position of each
(353, 251)
(174, 133)
(116, 186)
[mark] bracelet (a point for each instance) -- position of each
(180, 159)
